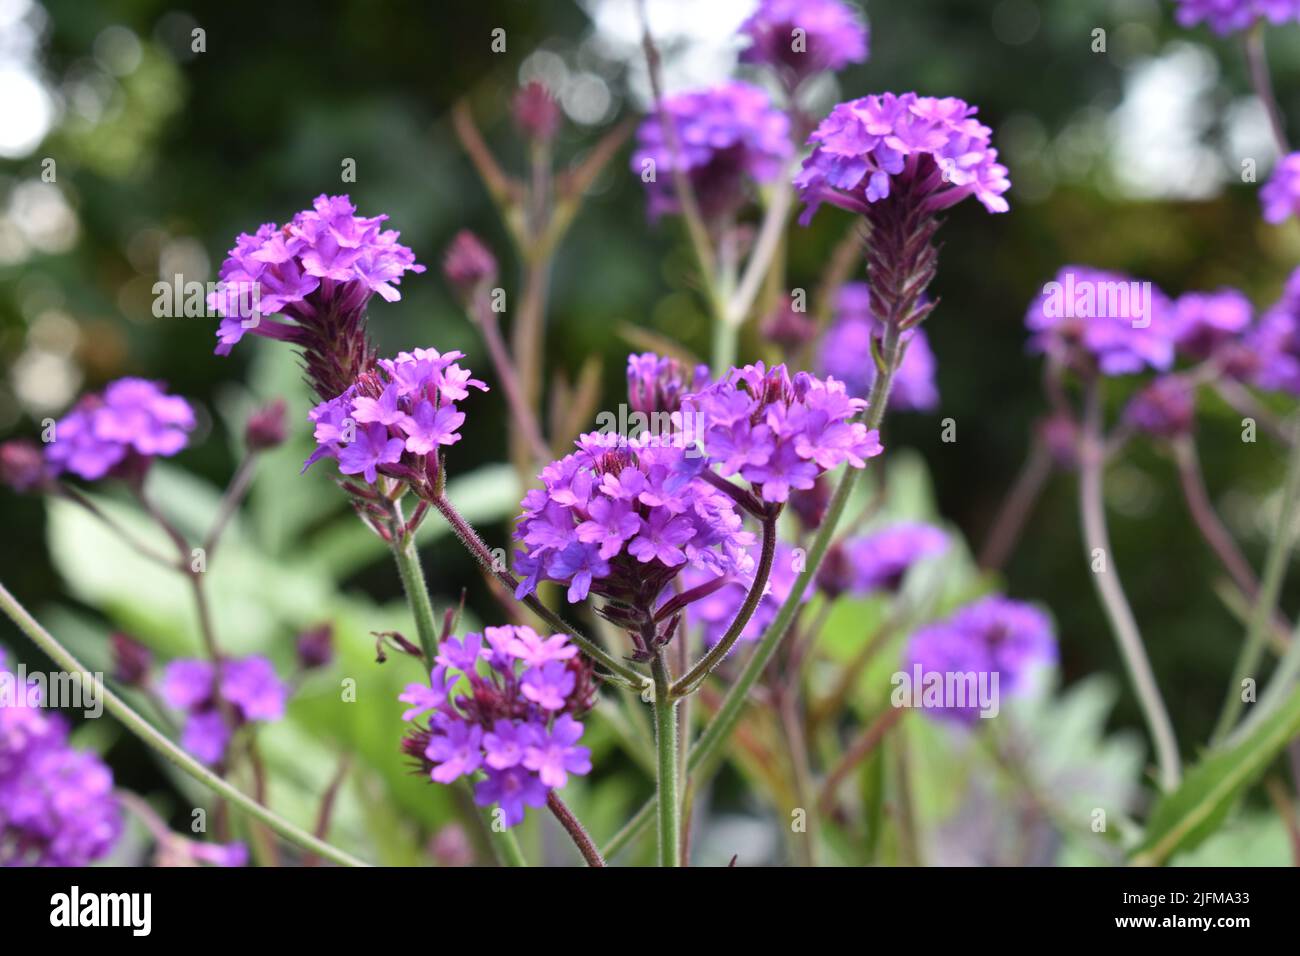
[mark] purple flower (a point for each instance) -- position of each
(727, 136)
(804, 37)
(1092, 320)
(393, 416)
(656, 383)
(878, 561)
(992, 635)
(317, 273)
(715, 612)
(846, 354)
(426, 697)
(661, 537)
(133, 417)
(932, 150)
(1203, 321)
(460, 654)
(56, 803)
(527, 646)
(1229, 16)
(512, 790)
(248, 686)
(373, 447)
(553, 754)
(549, 686)
(1280, 196)
(780, 432)
(456, 751)
(468, 264)
(504, 747)
(1165, 408)
(611, 522)
(1270, 356)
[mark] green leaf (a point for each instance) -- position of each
(1183, 819)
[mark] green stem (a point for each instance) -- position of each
(1275, 565)
(728, 715)
(150, 735)
(665, 708)
(417, 594)
(1110, 591)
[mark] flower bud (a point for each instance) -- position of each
(22, 466)
(788, 328)
(131, 660)
(316, 647)
(535, 112)
(265, 427)
(468, 265)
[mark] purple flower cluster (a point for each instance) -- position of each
(1270, 352)
(801, 38)
(1280, 196)
(517, 723)
(879, 561)
(780, 433)
(1229, 16)
(1088, 320)
(394, 418)
(1202, 322)
(56, 802)
(713, 613)
(1164, 408)
(992, 635)
(318, 272)
(846, 353)
(248, 690)
(930, 149)
(727, 135)
(656, 384)
(621, 517)
(133, 421)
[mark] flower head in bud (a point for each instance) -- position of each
(132, 661)
(1165, 408)
(315, 647)
(657, 384)
(22, 466)
(535, 112)
(788, 327)
(265, 428)
(468, 265)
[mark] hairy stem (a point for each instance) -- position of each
(1017, 507)
(1111, 593)
(417, 594)
(1257, 61)
(667, 780)
(577, 832)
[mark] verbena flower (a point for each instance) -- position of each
(503, 704)
(713, 613)
(878, 561)
(930, 150)
(1229, 16)
(249, 689)
(316, 273)
(846, 353)
(395, 418)
(898, 161)
(622, 517)
(780, 433)
(56, 802)
(728, 136)
(120, 430)
(1280, 196)
(1270, 357)
(830, 35)
(1164, 408)
(656, 383)
(1091, 320)
(1201, 322)
(992, 635)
